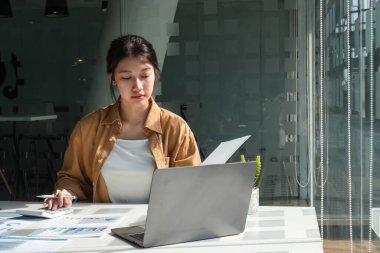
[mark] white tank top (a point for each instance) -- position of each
(128, 171)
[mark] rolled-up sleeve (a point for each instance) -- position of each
(73, 175)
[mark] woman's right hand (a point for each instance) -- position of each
(60, 200)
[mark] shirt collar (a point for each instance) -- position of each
(153, 120)
(113, 115)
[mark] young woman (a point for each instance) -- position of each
(113, 151)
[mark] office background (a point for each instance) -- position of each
(275, 69)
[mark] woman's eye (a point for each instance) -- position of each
(144, 77)
(125, 78)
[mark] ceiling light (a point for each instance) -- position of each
(56, 8)
(104, 6)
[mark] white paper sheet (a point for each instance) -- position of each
(77, 226)
(10, 222)
(224, 151)
(31, 244)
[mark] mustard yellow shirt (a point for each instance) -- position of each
(170, 139)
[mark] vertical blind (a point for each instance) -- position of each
(346, 114)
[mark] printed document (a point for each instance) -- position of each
(9, 222)
(31, 244)
(224, 151)
(76, 226)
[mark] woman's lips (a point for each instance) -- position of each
(137, 96)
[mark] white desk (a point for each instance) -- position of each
(375, 225)
(273, 229)
(376, 221)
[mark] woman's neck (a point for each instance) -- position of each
(134, 114)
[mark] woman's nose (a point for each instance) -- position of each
(137, 84)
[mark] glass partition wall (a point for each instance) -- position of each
(46, 68)
(234, 68)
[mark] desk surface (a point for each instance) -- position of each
(272, 229)
(376, 221)
(27, 118)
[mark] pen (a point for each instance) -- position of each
(52, 196)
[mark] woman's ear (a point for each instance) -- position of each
(110, 77)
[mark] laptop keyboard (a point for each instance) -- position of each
(139, 236)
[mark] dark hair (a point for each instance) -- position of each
(130, 46)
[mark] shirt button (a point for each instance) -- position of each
(107, 126)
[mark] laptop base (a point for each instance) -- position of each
(130, 234)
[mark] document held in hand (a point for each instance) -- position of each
(224, 151)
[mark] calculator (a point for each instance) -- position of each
(45, 213)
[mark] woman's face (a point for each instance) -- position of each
(134, 77)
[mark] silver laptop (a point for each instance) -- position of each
(194, 203)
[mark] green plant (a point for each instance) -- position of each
(258, 174)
